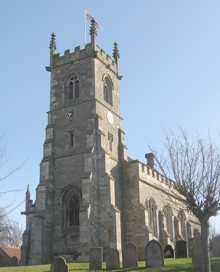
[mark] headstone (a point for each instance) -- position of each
(168, 252)
(154, 254)
(181, 249)
(112, 259)
(95, 258)
(130, 256)
(59, 265)
(196, 254)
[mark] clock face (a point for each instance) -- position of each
(110, 117)
(68, 115)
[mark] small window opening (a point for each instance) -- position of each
(72, 139)
(108, 91)
(77, 88)
(71, 87)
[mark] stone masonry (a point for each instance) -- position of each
(90, 193)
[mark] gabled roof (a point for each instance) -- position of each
(11, 252)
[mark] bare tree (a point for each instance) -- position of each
(14, 237)
(10, 231)
(3, 228)
(194, 165)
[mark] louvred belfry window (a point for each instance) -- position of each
(108, 91)
(73, 88)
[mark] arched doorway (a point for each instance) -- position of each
(181, 249)
(168, 252)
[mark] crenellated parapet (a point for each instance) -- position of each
(91, 50)
(153, 177)
(78, 54)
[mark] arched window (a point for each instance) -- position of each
(72, 211)
(182, 219)
(169, 221)
(176, 228)
(189, 230)
(71, 208)
(153, 217)
(77, 88)
(107, 88)
(73, 88)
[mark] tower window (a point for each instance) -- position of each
(72, 139)
(110, 140)
(71, 208)
(73, 212)
(108, 91)
(77, 88)
(73, 89)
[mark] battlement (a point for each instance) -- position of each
(69, 56)
(81, 53)
(151, 175)
(104, 57)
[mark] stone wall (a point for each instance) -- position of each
(141, 185)
(85, 159)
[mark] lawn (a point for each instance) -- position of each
(171, 265)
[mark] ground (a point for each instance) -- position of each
(171, 265)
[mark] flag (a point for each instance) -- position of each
(89, 17)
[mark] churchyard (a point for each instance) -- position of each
(171, 265)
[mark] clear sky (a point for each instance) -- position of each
(170, 63)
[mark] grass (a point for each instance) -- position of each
(171, 265)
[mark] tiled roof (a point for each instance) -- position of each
(12, 251)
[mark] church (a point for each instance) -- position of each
(91, 194)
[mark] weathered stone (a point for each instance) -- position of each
(154, 254)
(196, 254)
(88, 183)
(112, 258)
(130, 256)
(59, 265)
(95, 258)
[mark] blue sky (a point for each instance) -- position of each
(170, 64)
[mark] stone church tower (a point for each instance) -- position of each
(78, 197)
(91, 194)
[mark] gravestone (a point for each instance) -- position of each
(112, 259)
(154, 254)
(59, 265)
(95, 258)
(196, 254)
(168, 252)
(181, 249)
(130, 256)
